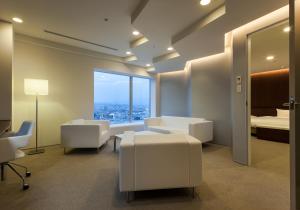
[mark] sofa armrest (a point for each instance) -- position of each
(80, 135)
(154, 121)
(126, 163)
(195, 161)
(7, 150)
(202, 131)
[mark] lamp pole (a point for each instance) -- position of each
(36, 150)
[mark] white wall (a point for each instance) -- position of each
(213, 88)
(201, 90)
(6, 54)
(70, 74)
(174, 96)
(210, 79)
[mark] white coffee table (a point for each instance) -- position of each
(120, 136)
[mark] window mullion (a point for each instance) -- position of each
(130, 98)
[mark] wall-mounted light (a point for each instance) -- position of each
(148, 64)
(128, 53)
(17, 20)
(205, 2)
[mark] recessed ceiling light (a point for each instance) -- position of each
(136, 33)
(170, 48)
(205, 2)
(128, 53)
(17, 20)
(270, 58)
(287, 29)
(148, 64)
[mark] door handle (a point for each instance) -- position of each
(292, 104)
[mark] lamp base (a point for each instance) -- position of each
(36, 151)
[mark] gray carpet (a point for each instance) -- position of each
(85, 179)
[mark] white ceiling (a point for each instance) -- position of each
(159, 20)
(162, 19)
(79, 19)
(271, 41)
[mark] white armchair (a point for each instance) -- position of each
(9, 150)
(148, 162)
(85, 133)
(197, 127)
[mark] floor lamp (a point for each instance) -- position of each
(37, 88)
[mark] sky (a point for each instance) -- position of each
(114, 88)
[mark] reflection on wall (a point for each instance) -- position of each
(269, 90)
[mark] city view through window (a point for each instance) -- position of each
(112, 98)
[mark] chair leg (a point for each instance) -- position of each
(2, 171)
(130, 196)
(193, 192)
(27, 173)
(115, 144)
(25, 186)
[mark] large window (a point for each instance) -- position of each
(120, 98)
(140, 98)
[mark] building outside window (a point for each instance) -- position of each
(121, 98)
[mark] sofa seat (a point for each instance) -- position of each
(197, 127)
(159, 161)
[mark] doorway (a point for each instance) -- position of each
(268, 97)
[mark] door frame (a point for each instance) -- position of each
(295, 113)
(248, 88)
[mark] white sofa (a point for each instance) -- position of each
(159, 161)
(85, 133)
(197, 127)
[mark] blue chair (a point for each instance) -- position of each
(10, 150)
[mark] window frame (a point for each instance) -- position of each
(130, 92)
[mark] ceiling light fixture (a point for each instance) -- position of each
(136, 33)
(287, 29)
(270, 58)
(17, 20)
(205, 2)
(170, 48)
(128, 53)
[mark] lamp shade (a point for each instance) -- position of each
(35, 87)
